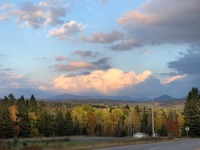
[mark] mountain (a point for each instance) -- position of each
(67, 96)
(164, 98)
(96, 97)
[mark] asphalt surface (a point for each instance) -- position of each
(184, 144)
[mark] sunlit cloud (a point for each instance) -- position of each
(174, 78)
(100, 37)
(101, 64)
(134, 17)
(107, 82)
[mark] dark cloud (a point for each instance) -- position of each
(61, 58)
(163, 21)
(189, 63)
(168, 74)
(86, 54)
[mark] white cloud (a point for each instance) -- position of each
(67, 30)
(174, 78)
(105, 82)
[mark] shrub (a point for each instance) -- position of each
(67, 139)
(32, 147)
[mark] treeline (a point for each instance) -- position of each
(30, 118)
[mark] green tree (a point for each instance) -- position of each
(69, 124)
(6, 124)
(23, 118)
(60, 124)
(144, 121)
(191, 112)
(32, 104)
(163, 131)
(45, 124)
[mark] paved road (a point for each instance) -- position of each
(185, 144)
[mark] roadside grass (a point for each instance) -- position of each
(76, 145)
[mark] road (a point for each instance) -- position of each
(184, 144)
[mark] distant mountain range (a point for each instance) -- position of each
(104, 97)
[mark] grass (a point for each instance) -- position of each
(71, 145)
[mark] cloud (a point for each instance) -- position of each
(86, 54)
(163, 21)
(126, 45)
(81, 65)
(174, 78)
(6, 6)
(11, 80)
(103, 1)
(105, 82)
(134, 18)
(3, 17)
(99, 37)
(67, 30)
(188, 63)
(76, 65)
(38, 15)
(61, 58)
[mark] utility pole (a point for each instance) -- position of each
(152, 112)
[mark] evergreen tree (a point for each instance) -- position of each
(191, 112)
(69, 124)
(144, 122)
(6, 124)
(163, 131)
(45, 124)
(60, 124)
(23, 118)
(32, 104)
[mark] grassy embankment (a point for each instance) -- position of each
(67, 144)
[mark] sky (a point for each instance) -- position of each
(136, 48)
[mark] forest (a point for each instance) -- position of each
(32, 118)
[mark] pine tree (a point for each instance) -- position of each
(23, 118)
(163, 131)
(144, 122)
(32, 104)
(60, 125)
(69, 124)
(191, 112)
(45, 124)
(6, 124)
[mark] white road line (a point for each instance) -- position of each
(154, 148)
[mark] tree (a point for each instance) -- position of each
(6, 124)
(45, 124)
(32, 104)
(60, 124)
(163, 131)
(144, 121)
(69, 124)
(191, 112)
(23, 118)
